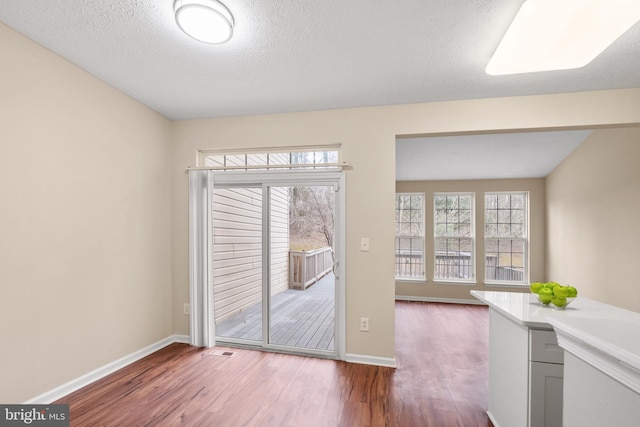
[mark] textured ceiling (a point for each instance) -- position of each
(299, 55)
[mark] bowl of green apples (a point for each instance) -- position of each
(554, 294)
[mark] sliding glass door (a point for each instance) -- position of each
(275, 252)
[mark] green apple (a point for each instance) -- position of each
(561, 291)
(559, 301)
(573, 292)
(551, 285)
(545, 295)
(536, 286)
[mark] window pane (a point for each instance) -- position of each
(517, 216)
(504, 201)
(454, 236)
(490, 230)
(505, 260)
(466, 202)
(465, 230)
(518, 201)
(505, 237)
(517, 230)
(491, 201)
(504, 230)
(454, 259)
(409, 236)
(465, 216)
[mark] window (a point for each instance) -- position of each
(506, 237)
(316, 159)
(454, 236)
(410, 236)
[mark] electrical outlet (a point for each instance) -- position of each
(186, 308)
(364, 324)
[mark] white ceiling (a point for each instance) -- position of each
(504, 155)
(301, 55)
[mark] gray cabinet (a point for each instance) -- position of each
(546, 370)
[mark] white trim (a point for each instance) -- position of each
(292, 166)
(444, 282)
(202, 154)
(506, 285)
(411, 280)
(434, 299)
(182, 339)
(389, 362)
(202, 332)
(340, 245)
(109, 368)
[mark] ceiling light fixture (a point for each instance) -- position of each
(558, 35)
(208, 21)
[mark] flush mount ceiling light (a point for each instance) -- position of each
(208, 21)
(561, 34)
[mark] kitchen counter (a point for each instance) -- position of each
(526, 310)
(601, 343)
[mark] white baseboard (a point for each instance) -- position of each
(182, 339)
(434, 299)
(84, 380)
(389, 362)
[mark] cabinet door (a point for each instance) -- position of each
(545, 408)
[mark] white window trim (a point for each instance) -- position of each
(423, 278)
(525, 279)
(473, 280)
(202, 154)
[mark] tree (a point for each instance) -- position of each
(311, 215)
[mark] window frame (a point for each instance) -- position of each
(473, 273)
(423, 277)
(525, 238)
(205, 157)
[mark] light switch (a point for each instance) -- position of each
(364, 244)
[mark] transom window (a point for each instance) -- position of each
(316, 159)
(454, 236)
(506, 237)
(410, 236)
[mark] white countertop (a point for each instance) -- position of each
(605, 336)
(525, 309)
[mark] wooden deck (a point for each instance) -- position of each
(299, 318)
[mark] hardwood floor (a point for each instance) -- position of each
(441, 381)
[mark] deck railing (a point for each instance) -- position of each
(410, 265)
(307, 267)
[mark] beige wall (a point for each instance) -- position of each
(368, 139)
(593, 216)
(85, 251)
(440, 291)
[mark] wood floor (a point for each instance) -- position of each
(299, 318)
(441, 381)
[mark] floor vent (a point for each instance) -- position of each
(222, 353)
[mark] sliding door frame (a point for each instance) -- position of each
(292, 178)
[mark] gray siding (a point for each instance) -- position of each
(237, 247)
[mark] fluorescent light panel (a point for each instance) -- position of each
(561, 34)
